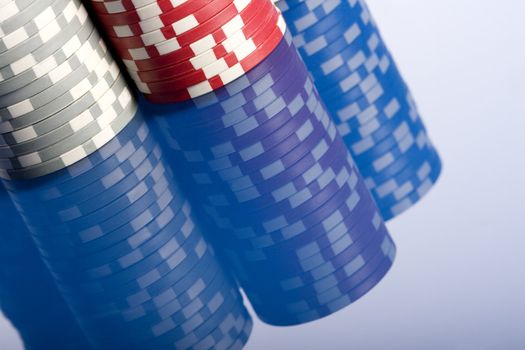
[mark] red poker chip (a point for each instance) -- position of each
(115, 7)
(267, 15)
(229, 60)
(122, 5)
(176, 42)
(197, 47)
(158, 10)
(179, 22)
(160, 36)
(173, 95)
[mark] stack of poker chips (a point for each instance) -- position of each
(176, 51)
(29, 297)
(367, 97)
(263, 159)
(89, 179)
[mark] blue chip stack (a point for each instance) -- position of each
(367, 98)
(89, 179)
(287, 205)
(122, 243)
(29, 297)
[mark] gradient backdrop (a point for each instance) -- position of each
(458, 282)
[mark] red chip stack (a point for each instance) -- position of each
(176, 51)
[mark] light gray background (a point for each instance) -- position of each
(458, 281)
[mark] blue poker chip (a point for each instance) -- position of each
(351, 289)
(413, 149)
(313, 27)
(319, 235)
(304, 286)
(291, 205)
(180, 239)
(289, 212)
(302, 271)
(211, 319)
(152, 185)
(387, 137)
(346, 106)
(28, 294)
(137, 186)
(359, 83)
(276, 174)
(349, 47)
(114, 195)
(141, 307)
(281, 230)
(356, 38)
(407, 179)
(249, 115)
(252, 197)
(234, 118)
(169, 251)
(346, 292)
(55, 252)
(168, 329)
(344, 220)
(282, 122)
(200, 325)
(303, 17)
(133, 304)
(250, 128)
(202, 292)
(381, 132)
(318, 9)
(88, 229)
(299, 128)
(143, 242)
(350, 30)
(354, 77)
(232, 333)
(288, 152)
(91, 230)
(309, 279)
(190, 249)
(410, 191)
(153, 282)
(285, 194)
(93, 241)
(369, 96)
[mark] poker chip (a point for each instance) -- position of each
(152, 44)
(276, 180)
(213, 54)
(364, 92)
(296, 134)
(224, 77)
(226, 34)
(248, 48)
(89, 179)
(145, 229)
(29, 297)
(189, 50)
